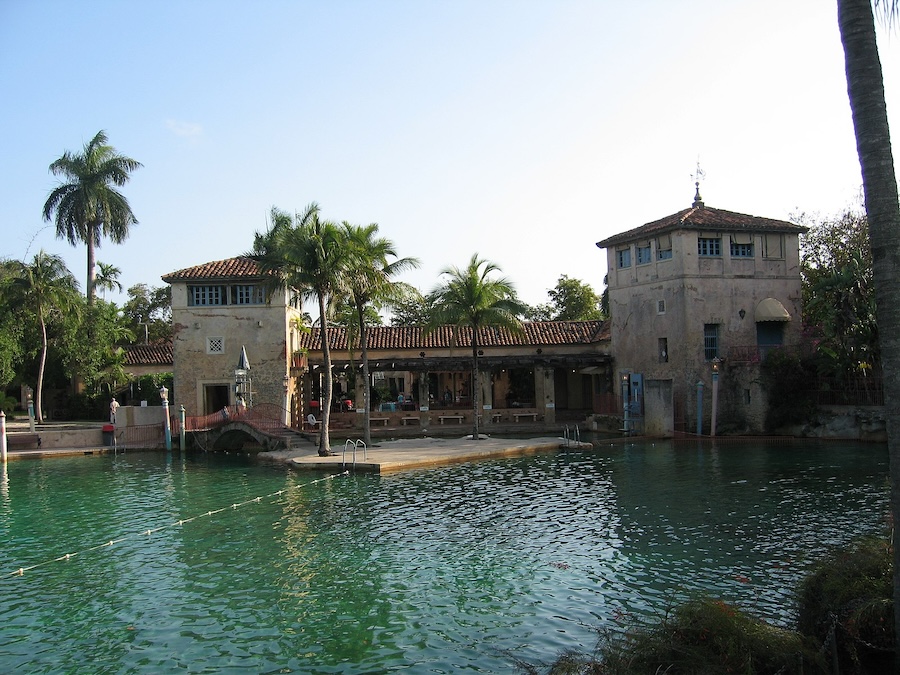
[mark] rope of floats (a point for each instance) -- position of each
(146, 533)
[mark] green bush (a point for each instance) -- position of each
(8, 405)
(846, 603)
(699, 637)
(788, 377)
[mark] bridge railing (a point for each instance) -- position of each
(264, 417)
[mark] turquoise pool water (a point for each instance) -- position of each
(433, 571)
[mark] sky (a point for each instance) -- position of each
(521, 130)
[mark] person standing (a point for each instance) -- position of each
(113, 409)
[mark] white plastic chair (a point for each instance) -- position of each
(312, 421)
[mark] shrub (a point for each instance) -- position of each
(846, 603)
(787, 376)
(698, 637)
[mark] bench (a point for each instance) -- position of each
(409, 419)
(383, 421)
(458, 418)
(23, 440)
(532, 415)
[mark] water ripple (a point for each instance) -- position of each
(440, 570)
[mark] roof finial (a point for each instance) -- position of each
(697, 176)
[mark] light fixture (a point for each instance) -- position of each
(742, 313)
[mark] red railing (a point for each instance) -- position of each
(264, 417)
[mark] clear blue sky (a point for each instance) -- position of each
(524, 130)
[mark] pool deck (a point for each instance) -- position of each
(383, 456)
(415, 453)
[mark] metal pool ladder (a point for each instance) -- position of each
(355, 443)
(575, 438)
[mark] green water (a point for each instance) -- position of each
(433, 571)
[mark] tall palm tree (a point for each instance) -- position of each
(370, 283)
(43, 286)
(311, 256)
(470, 298)
(108, 278)
(865, 87)
(88, 207)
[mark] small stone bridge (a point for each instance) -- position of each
(234, 426)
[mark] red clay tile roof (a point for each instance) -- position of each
(703, 218)
(413, 337)
(156, 354)
(232, 268)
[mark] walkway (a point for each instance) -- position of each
(414, 453)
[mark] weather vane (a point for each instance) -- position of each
(697, 176)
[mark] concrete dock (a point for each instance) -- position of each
(385, 456)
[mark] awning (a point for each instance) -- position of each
(771, 310)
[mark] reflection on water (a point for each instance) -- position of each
(437, 570)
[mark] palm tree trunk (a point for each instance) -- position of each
(476, 386)
(91, 266)
(364, 349)
(324, 438)
(865, 86)
(39, 389)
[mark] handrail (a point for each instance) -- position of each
(356, 443)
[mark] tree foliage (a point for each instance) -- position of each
(89, 207)
(839, 292)
(570, 300)
(148, 312)
(414, 310)
(473, 297)
(45, 291)
(312, 257)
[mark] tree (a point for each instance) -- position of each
(370, 282)
(91, 351)
(10, 324)
(839, 293)
(44, 286)
(570, 300)
(88, 207)
(865, 88)
(108, 278)
(471, 298)
(310, 256)
(148, 312)
(415, 310)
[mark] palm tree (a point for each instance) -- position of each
(469, 298)
(370, 282)
(311, 257)
(865, 87)
(108, 278)
(44, 286)
(88, 207)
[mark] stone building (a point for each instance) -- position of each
(554, 372)
(221, 316)
(699, 291)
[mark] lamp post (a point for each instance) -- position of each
(181, 443)
(3, 437)
(699, 407)
(715, 395)
(626, 408)
(286, 382)
(29, 396)
(164, 395)
(243, 388)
